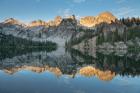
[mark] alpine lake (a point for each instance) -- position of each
(69, 71)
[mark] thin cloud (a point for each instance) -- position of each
(121, 1)
(38, 1)
(79, 1)
(124, 11)
(65, 12)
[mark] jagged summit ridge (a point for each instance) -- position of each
(12, 21)
(58, 30)
(54, 22)
(90, 21)
(37, 23)
(87, 21)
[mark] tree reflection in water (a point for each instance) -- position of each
(72, 63)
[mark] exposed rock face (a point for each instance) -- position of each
(51, 23)
(68, 24)
(90, 21)
(58, 20)
(11, 21)
(134, 43)
(37, 23)
(105, 17)
(55, 22)
(120, 45)
(63, 31)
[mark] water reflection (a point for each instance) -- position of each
(72, 63)
(68, 71)
(90, 71)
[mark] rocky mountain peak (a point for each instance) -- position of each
(90, 21)
(37, 23)
(58, 20)
(106, 17)
(107, 14)
(71, 20)
(72, 17)
(11, 21)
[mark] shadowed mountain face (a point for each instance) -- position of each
(60, 30)
(72, 63)
(105, 30)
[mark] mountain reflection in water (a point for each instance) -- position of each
(68, 71)
(72, 63)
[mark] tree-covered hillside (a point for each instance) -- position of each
(9, 41)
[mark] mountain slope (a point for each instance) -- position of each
(105, 17)
(62, 30)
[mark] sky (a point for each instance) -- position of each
(29, 10)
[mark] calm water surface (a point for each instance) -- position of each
(70, 71)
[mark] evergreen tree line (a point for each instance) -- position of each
(112, 37)
(8, 41)
(130, 21)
